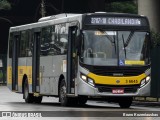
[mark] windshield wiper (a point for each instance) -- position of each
(115, 43)
(124, 45)
(129, 39)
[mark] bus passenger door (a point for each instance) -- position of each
(15, 62)
(36, 61)
(71, 60)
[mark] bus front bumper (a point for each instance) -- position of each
(88, 90)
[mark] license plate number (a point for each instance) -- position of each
(118, 91)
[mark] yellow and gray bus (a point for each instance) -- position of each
(80, 56)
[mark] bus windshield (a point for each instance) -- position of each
(115, 48)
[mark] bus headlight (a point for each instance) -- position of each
(145, 81)
(86, 79)
(148, 79)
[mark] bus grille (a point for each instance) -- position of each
(118, 70)
(127, 89)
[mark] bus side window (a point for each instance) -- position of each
(54, 49)
(24, 44)
(45, 41)
(61, 40)
(11, 45)
(29, 47)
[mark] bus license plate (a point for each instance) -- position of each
(118, 91)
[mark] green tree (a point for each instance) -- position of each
(155, 36)
(4, 4)
(122, 7)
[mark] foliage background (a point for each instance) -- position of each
(155, 36)
(4, 4)
(123, 7)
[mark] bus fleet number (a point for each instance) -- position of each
(131, 81)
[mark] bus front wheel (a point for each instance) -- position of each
(125, 102)
(27, 96)
(82, 100)
(64, 100)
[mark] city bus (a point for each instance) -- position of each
(76, 57)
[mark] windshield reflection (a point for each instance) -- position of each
(114, 48)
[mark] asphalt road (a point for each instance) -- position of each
(50, 109)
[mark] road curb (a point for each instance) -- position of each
(146, 103)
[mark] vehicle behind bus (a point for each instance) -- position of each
(80, 56)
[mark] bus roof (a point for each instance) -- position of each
(46, 21)
(67, 17)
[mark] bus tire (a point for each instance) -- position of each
(64, 100)
(125, 102)
(29, 98)
(38, 99)
(82, 100)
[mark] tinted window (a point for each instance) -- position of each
(45, 41)
(54, 40)
(24, 44)
(10, 45)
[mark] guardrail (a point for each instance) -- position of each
(146, 99)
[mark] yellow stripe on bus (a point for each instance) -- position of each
(111, 80)
(22, 70)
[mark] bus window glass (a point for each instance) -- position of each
(46, 40)
(114, 48)
(29, 46)
(63, 43)
(54, 40)
(99, 48)
(23, 44)
(10, 45)
(60, 43)
(132, 46)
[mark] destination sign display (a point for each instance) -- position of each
(120, 21)
(115, 21)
